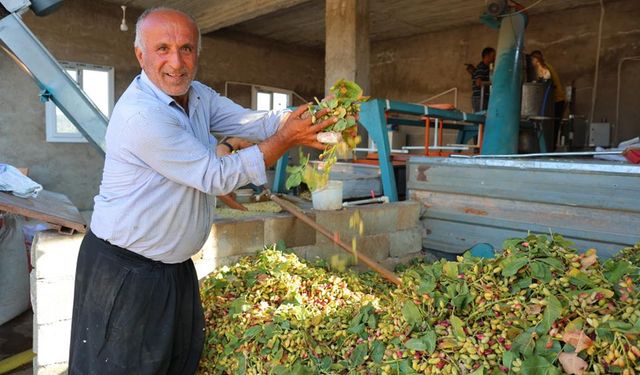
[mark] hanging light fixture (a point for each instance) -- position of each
(123, 25)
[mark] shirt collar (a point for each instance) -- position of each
(194, 99)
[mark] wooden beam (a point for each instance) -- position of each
(212, 16)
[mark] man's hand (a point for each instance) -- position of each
(298, 130)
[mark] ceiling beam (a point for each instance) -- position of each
(212, 16)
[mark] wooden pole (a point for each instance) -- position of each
(295, 211)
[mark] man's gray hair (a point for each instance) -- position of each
(138, 43)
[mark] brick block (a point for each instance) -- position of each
(405, 242)
(53, 343)
(408, 215)
(232, 238)
(375, 247)
(289, 229)
(54, 255)
(54, 300)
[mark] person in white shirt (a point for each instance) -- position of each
(136, 305)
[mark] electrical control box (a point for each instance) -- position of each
(599, 134)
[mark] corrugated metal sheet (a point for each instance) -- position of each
(471, 201)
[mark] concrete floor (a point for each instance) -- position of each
(16, 336)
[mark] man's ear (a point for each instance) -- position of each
(139, 56)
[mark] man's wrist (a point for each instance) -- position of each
(228, 145)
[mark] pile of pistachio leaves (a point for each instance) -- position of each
(343, 104)
(537, 308)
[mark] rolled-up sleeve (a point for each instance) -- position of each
(230, 119)
(166, 147)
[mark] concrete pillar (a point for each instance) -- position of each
(347, 42)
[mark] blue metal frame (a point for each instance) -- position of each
(373, 118)
(54, 82)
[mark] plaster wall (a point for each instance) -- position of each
(416, 68)
(88, 32)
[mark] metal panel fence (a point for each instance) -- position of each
(471, 201)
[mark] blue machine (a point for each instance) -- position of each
(503, 114)
(502, 118)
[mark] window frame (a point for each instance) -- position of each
(255, 89)
(51, 129)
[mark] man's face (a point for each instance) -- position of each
(492, 57)
(168, 53)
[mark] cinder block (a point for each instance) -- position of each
(301, 251)
(333, 221)
(54, 255)
(379, 218)
(53, 343)
(57, 369)
(319, 251)
(54, 300)
(237, 237)
(392, 262)
(289, 229)
(376, 247)
(408, 214)
(405, 242)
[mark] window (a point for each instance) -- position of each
(97, 83)
(268, 98)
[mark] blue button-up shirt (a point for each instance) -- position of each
(161, 170)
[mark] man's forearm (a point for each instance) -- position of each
(273, 148)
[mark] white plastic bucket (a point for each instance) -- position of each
(329, 197)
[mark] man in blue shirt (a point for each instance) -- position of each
(136, 306)
(481, 79)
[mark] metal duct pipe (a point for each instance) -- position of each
(503, 114)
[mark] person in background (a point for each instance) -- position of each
(137, 307)
(481, 79)
(545, 72)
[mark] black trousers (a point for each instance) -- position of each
(133, 315)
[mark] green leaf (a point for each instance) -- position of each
(512, 265)
(416, 344)
(553, 262)
(242, 364)
(536, 365)
(377, 351)
(616, 270)
(237, 306)
(552, 312)
(521, 284)
(580, 280)
(359, 354)
(524, 343)
(458, 327)
(541, 271)
(451, 270)
(507, 359)
(326, 363)
(429, 340)
(551, 353)
(293, 180)
(479, 371)
(251, 332)
(426, 285)
(411, 313)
